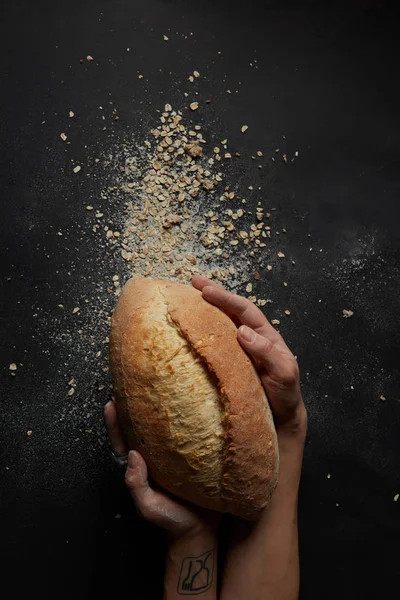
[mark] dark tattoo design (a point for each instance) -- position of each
(196, 574)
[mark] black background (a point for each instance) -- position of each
(326, 80)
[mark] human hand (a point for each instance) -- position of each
(276, 365)
(153, 504)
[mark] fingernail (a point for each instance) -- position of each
(133, 459)
(247, 334)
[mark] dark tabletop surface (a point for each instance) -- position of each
(317, 79)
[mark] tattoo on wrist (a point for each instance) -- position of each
(196, 574)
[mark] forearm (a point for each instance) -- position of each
(191, 566)
(265, 564)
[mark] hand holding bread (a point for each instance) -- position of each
(188, 460)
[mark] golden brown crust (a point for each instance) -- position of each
(249, 455)
(251, 462)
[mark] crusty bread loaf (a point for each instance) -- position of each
(190, 400)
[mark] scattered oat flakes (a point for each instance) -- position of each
(382, 398)
(71, 114)
(76, 310)
(63, 137)
(13, 367)
(347, 313)
(71, 391)
(77, 169)
(29, 432)
(165, 38)
(281, 255)
(396, 497)
(196, 74)
(193, 149)
(275, 322)
(194, 105)
(249, 288)
(244, 128)
(287, 312)
(89, 58)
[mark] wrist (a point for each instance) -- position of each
(294, 430)
(205, 528)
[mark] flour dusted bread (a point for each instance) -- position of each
(190, 400)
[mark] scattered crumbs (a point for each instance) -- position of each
(29, 432)
(75, 310)
(259, 153)
(328, 476)
(196, 74)
(275, 322)
(165, 38)
(13, 367)
(249, 288)
(194, 105)
(269, 267)
(118, 516)
(71, 114)
(89, 207)
(281, 255)
(140, 76)
(347, 313)
(287, 312)
(63, 137)
(382, 398)
(244, 128)
(71, 391)
(396, 497)
(285, 283)
(77, 169)
(89, 58)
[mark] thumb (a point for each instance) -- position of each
(137, 482)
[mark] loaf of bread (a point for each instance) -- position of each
(189, 399)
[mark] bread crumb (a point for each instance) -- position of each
(194, 106)
(29, 432)
(75, 310)
(281, 255)
(244, 128)
(89, 58)
(382, 398)
(13, 367)
(165, 38)
(71, 114)
(275, 322)
(196, 74)
(63, 137)
(347, 313)
(396, 497)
